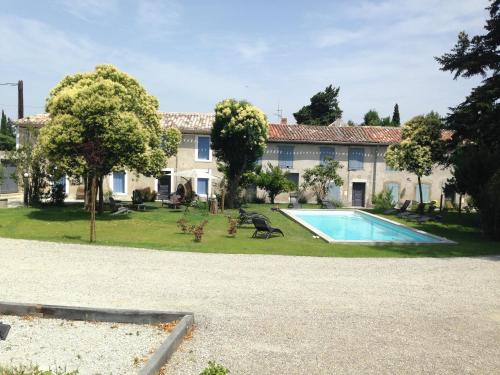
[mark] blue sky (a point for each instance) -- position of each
(191, 54)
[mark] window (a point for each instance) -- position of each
(394, 189)
(293, 177)
(426, 190)
(326, 152)
(203, 148)
(285, 156)
(119, 186)
(202, 186)
(356, 158)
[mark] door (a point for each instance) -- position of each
(165, 185)
(358, 194)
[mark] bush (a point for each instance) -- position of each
(146, 195)
(57, 195)
(259, 199)
(302, 199)
(182, 224)
(197, 230)
(233, 225)
(214, 369)
(383, 200)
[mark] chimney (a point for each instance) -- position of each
(284, 121)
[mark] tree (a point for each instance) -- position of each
(170, 140)
(321, 176)
(102, 121)
(323, 110)
(273, 180)
(7, 135)
(419, 148)
(474, 148)
(372, 118)
(395, 116)
(239, 137)
(386, 121)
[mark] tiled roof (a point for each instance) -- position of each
(201, 123)
(189, 122)
(334, 134)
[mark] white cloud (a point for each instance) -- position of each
(158, 14)
(87, 10)
(252, 50)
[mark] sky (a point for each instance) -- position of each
(192, 54)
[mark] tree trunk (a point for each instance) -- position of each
(222, 198)
(86, 192)
(93, 188)
(233, 190)
(101, 195)
(421, 210)
(460, 204)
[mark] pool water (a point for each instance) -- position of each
(355, 225)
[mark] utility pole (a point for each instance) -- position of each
(20, 99)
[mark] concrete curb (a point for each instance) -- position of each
(159, 357)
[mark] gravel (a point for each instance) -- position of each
(89, 347)
(264, 314)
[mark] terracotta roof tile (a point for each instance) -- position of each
(194, 122)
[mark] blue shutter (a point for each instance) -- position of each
(394, 189)
(356, 158)
(326, 152)
(119, 182)
(285, 156)
(202, 186)
(203, 148)
(426, 192)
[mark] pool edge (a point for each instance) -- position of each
(289, 213)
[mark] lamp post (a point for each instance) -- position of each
(26, 189)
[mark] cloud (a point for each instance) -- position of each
(252, 50)
(87, 10)
(157, 14)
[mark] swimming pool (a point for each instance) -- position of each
(355, 226)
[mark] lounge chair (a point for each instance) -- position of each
(246, 216)
(407, 214)
(175, 201)
(328, 205)
(137, 201)
(117, 207)
(400, 210)
(263, 226)
(438, 217)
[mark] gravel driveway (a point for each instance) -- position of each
(261, 314)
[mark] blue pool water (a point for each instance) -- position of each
(345, 225)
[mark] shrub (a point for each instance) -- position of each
(57, 195)
(383, 200)
(146, 195)
(302, 199)
(182, 224)
(259, 199)
(233, 225)
(197, 230)
(214, 369)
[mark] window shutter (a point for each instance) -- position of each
(204, 148)
(394, 189)
(285, 156)
(356, 158)
(326, 152)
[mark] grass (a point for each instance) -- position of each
(156, 229)
(32, 370)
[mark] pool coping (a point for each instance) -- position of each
(290, 214)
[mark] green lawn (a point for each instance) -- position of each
(156, 228)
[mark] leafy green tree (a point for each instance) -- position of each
(474, 148)
(102, 121)
(395, 116)
(239, 137)
(321, 176)
(420, 147)
(372, 118)
(386, 121)
(7, 135)
(323, 110)
(273, 180)
(170, 140)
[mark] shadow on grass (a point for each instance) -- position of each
(70, 213)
